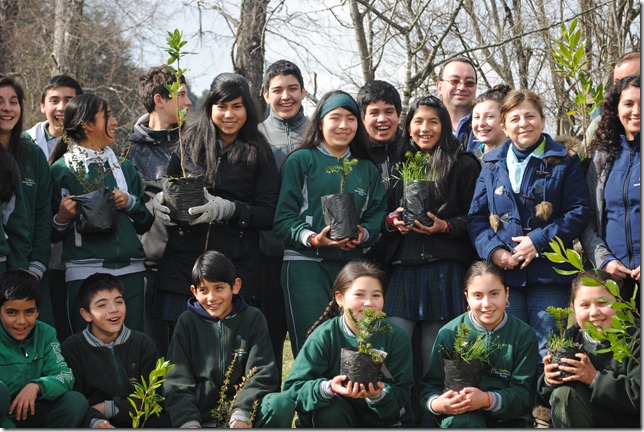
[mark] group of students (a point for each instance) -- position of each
(262, 223)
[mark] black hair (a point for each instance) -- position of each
(213, 266)
(281, 67)
(18, 284)
(345, 279)
(480, 268)
(446, 150)
(610, 127)
(17, 148)
(95, 283)
(60, 81)
(250, 148)
(154, 81)
(313, 136)
(460, 60)
(80, 111)
(377, 90)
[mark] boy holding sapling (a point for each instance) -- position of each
(107, 358)
(220, 331)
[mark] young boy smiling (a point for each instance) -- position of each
(218, 326)
(35, 381)
(107, 358)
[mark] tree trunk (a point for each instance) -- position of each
(8, 13)
(249, 53)
(66, 34)
(366, 59)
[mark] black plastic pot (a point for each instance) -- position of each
(339, 212)
(566, 352)
(180, 194)
(419, 198)
(359, 367)
(96, 212)
(460, 374)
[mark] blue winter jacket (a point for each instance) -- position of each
(556, 178)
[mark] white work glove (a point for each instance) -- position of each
(161, 212)
(216, 209)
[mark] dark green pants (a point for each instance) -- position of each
(345, 413)
(479, 419)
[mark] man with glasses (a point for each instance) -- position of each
(456, 87)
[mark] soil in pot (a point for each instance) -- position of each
(419, 198)
(566, 352)
(96, 212)
(180, 194)
(460, 374)
(359, 367)
(339, 212)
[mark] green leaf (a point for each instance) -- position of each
(566, 272)
(590, 282)
(555, 257)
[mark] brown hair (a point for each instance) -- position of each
(480, 268)
(496, 93)
(517, 97)
(600, 277)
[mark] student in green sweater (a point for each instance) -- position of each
(315, 384)
(506, 392)
(220, 328)
(108, 358)
(312, 260)
(35, 382)
(36, 188)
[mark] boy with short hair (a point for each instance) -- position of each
(218, 326)
(35, 381)
(58, 91)
(107, 358)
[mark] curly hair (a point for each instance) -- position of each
(607, 134)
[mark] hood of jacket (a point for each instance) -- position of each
(239, 305)
(142, 134)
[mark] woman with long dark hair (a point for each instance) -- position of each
(241, 186)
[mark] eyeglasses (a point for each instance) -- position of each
(455, 82)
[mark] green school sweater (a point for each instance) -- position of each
(15, 243)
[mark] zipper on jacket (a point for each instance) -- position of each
(222, 363)
(115, 363)
(24, 352)
(627, 219)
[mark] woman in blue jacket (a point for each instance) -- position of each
(529, 191)
(612, 238)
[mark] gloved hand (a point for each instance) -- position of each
(216, 209)
(161, 212)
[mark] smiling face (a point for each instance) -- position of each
(339, 127)
(284, 95)
(56, 99)
(628, 111)
(487, 297)
(523, 124)
(101, 133)
(486, 123)
(425, 127)
(381, 121)
(106, 314)
(459, 95)
(588, 306)
(365, 293)
(216, 297)
(18, 317)
(9, 110)
(229, 117)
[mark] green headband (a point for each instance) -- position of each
(339, 100)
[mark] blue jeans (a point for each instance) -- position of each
(529, 304)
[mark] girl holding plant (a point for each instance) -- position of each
(85, 161)
(429, 261)
(601, 391)
(506, 390)
(486, 119)
(311, 259)
(323, 398)
(241, 185)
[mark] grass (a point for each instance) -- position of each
(287, 364)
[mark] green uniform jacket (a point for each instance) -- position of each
(511, 374)
(617, 387)
(36, 359)
(107, 373)
(15, 243)
(305, 181)
(36, 190)
(116, 250)
(202, 348)
(319, 360)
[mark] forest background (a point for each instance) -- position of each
(106, 45)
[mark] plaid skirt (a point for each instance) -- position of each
(428, 292)
(168, 305)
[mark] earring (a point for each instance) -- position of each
(468, 307)
(507, 303)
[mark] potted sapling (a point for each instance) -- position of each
(339, 209)
(558, 344)
(180, 193)
(365, 363)
(418, 174)
(463, 367)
